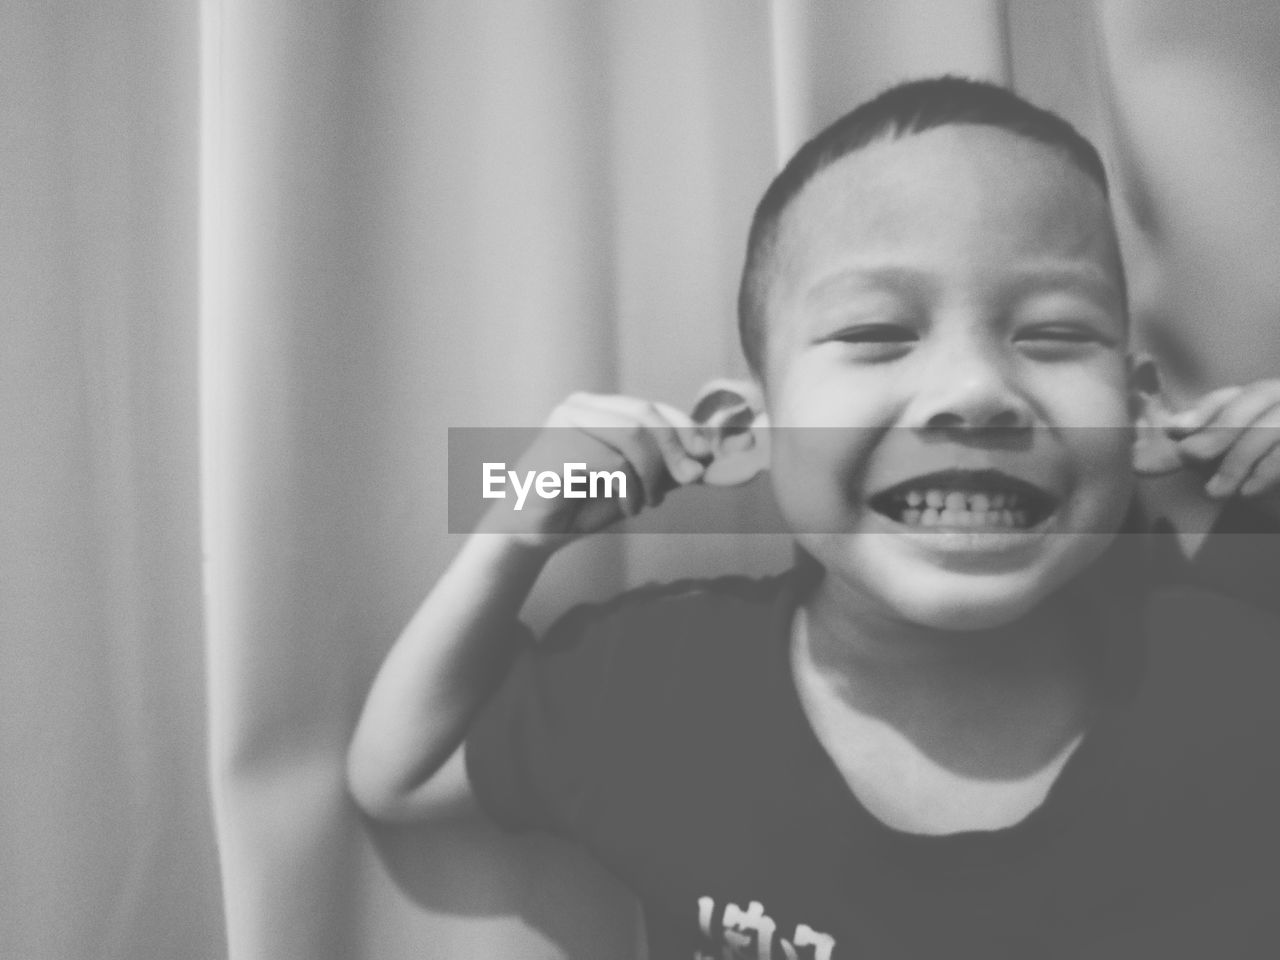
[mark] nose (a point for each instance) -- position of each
(969, 387)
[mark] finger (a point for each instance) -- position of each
(1242, 462)
(635, 444)
(1214, 438)
(1265, 478)
(691, 433)
(1250, 446)
(568, 439)
(664, 425)
(693, 444)
(640, 461)
(1205, 409)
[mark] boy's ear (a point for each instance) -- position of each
(731, 416)
(1154, 452)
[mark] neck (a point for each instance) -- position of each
(941, 731)
(848, 638)
(932, 683)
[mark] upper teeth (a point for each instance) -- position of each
(967, 508)
(976, 500)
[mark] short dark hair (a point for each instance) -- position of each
(912, 107)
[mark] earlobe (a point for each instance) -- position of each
(732, 418)
(1155, 453)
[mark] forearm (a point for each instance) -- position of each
(440, 671)
(457, 647)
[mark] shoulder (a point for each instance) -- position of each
(660, 655)
(1211, 656)
(676, 611)
(1202, 752)
(1198, 620)
(1240, 556)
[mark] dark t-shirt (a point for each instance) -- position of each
(662, 731)
(1240, 558)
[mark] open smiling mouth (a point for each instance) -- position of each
(966, 499)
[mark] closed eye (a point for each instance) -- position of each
(1067, 334)
(1053, 341)
(875, 333)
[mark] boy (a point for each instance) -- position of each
(951, 731)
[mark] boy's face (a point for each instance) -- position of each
(951, 302)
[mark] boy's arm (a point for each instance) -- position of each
(440, 671)
(455, 650)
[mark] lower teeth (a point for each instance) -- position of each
(932, 517)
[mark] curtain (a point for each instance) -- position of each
(1193, 96)
(260, 256)
(106, 841)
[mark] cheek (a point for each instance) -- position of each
(1105, 479)
(1095, 397)
(1107, 455)
(816, 475)
(1094, 413)
(816, 389)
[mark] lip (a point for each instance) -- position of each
(966, 479)
(974, 550)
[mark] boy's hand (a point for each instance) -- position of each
(1235, 433)
(657, 447)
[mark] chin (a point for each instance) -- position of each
(966, 604)
(965, 612)
(963, 600)
(950, 583)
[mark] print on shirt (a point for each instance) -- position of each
(751, 934)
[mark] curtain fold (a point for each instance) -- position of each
(411, 233)
(106, 839)
(259, 256)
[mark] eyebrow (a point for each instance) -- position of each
(1071, 276)
(1052, 274)
(872, 275)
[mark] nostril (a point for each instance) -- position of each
(970, 402)
(1006, 419)
(946, 421)
(1000, 421)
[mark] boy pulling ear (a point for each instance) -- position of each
(962, 726)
